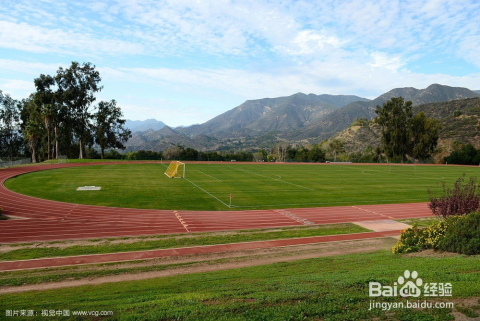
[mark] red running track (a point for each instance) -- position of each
(144, 255)
(50, 220)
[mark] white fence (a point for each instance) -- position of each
(23, 161)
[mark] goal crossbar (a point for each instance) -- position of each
(176, 169)
(62, 159)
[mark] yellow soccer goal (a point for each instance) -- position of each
(176, 170)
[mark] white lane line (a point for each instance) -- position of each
(207, 193)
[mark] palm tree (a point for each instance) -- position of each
(32, 131)
(47, 113)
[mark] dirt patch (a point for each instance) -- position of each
(466, 309)
(206, 262)
(432, 253)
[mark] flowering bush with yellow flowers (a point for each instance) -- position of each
(415, 239)
(409, 241)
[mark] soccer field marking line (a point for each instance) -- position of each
(70, 180)
(207, 192)
(209, 175)
(273, 179)
(204, 191)
(263, 192)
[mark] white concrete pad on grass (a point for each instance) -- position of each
(89, 188)
(383, 225)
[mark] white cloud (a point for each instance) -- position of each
(16, 88)
(381, 60)
(311, 42)
(333, 77)
(30, 68)
(26, 37)
(247, 28)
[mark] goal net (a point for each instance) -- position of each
(176, 169)
(62, 159)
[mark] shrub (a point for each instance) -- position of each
(409, 241)
(415, 239)
(464, 198)
(463, 236)
(467, 155)
(458, 233)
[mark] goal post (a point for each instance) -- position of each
(176, 169)
(62, 159)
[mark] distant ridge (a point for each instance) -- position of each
(166, 131)
(477, 91)
(295, 119)
(143, 125)
(254, 117)
(343, 117)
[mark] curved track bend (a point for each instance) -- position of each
(46, 220)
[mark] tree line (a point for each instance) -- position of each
(59, 117)
(466, 155)
(293, 154)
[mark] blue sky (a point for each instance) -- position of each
(184, 62)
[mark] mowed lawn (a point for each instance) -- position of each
(262, 186)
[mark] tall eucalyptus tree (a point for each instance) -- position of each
(108, 126)
(77, 87)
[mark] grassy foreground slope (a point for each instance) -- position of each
(334, 288)
(208, 186)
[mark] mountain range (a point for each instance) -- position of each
(143, 125)
(298, 118)
(255, 117)
(342, 118)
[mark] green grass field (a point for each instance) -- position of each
(330, 288)
(208, 186)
